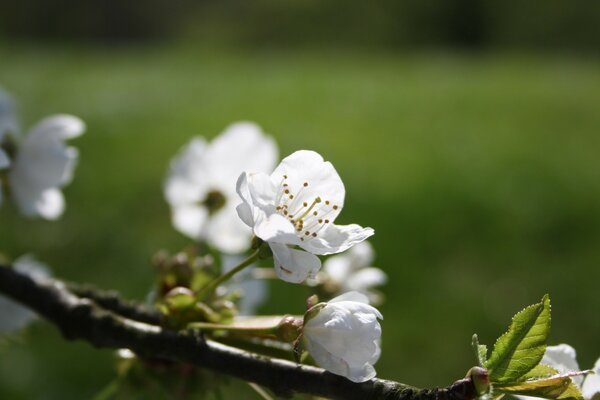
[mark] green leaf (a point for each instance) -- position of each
(480, 350)
(522, 347)
(544, 381)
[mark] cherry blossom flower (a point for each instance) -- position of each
(296, 206)
(563, 358)
(352, 271)
(200, 186)
(43, 164)
(14, 316)
(344, 336)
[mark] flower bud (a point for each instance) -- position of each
(289, 329)
(343, 336)
(480, 378)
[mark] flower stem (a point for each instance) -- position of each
(208, 289)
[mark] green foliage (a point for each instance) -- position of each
(480, 351)
(514, 365)
(522, 347)
(546, 382)
(492, 180)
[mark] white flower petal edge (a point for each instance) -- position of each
(202, 170)
(14, 316)
(352, 270)
(344, 337)
(296, 206)
(563, 358)
(44, 164)
(591, 384)
(8, 115)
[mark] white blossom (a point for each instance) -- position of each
(14, 316)
(352, 271)
(296, 206)
(8, 124)
(200, 186)
(344, 337)
(43, 164)
(563, 358)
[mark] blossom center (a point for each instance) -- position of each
(214, 201)
(307, 211)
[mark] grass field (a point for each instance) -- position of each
(480, 175)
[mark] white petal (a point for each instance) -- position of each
(344, 338)
(24, 194)
(292, 265)
(337, 238)
(241, 147)
(190, 220)
(29, 265)
(563, 358)
(362, 255)
(339, 268)
(242, 188)
(276, 228)
(365, 279)
(591, 384)
(33, 201)
(362, 374)
(42, 157)
(4, 160)
(180, 191)
(186, 182)
(325, 359)
(321, 179)
(244, 211)
(227, 232)
(262, 190)
(351, 296)
(62, 126)
(51, 204)
(8, 115)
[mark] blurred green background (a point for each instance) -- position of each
(467, 134)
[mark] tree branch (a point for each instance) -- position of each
(83, 313)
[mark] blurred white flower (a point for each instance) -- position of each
(200, 186)
(344, 337)
(352, 271)
(8, 123)
(563, 358)
(8, 116)
(43, 164)
(296, 206)
(253, 291)
(14, 316)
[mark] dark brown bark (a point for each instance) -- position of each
(103, 319)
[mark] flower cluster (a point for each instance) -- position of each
(36, 166)
(290, 210)
(228, 195)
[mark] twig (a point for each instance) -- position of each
(83, 318)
